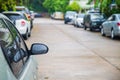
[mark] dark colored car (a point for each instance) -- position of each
(69, 15)
(93, 21)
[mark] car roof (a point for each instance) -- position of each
(3, 16)
(12, 12)
(20, 7)
(116, 14)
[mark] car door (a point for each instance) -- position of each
(28, 69)
(7, 50)
(108, 25)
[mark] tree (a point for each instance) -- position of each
(73, 7)
(55, 5)
(7, 5)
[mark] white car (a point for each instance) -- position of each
(21, 22)
(79, 20)
(58, 15)
(16, 61)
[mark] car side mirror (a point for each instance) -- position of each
(38, 48)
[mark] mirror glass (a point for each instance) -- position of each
(38, 48)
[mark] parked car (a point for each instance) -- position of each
(57, 15)
(21, 22)
(69, 16)
(32, 15)
(93, 21)
(37, 15)
(27, 12)
(78, 22)
(111, 27)
(16, 61)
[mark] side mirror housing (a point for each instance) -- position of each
(38, 48)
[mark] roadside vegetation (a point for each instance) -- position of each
(108, 7)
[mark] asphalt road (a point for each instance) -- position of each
(75, 54)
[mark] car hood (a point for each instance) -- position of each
(80, 19)
(98, 20)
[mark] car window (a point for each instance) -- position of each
(95, 16)
(119, 17)
(80, 15)
(10, 48)
(13, 47)
(114, 18)
(14, 17)
(19, 40)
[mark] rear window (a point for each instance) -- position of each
(14, 17)
(119, 17)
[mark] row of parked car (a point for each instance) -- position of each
(16, 60)
(95, 20)
(22, 19)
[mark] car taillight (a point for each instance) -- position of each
(118, 24)
(29, 16)
(23, 23)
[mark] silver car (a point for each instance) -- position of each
(78, 22)
(16, 61)
(111, 27)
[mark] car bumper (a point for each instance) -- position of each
(68, 20)
(96, 25)
(117, 32)
(22, 30)
(79, 23)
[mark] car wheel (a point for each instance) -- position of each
(85, 27)
(102, 32)
(91, 29)
(74, 25)
(65, 22)
(112, 34)
(26, 35)
(29, 34)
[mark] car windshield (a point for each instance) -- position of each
(119, 17)
(80, 15)
(14, 17)
(70, 13)
(96, 16)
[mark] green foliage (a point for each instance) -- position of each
(97, 4)
(7, 5)
(73, 7)
(55, 5)
(89, 1)
(105, 7)
(36, 5)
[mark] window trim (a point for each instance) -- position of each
(23, 62)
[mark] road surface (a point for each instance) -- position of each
(75, 54)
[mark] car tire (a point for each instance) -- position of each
(26, 35)
(74, 25)
(65, 22)
(112, 34)
(102, 32)
(29, 34)
(85, 27)
(91, 29)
